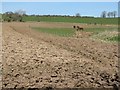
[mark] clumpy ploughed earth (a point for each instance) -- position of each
(36, 60)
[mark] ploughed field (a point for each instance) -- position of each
(54, 55)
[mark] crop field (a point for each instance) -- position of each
(95, 31)
(52, 54)
(57, 31)
(71, 19)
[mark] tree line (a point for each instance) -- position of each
(14, 16)
(19, 14)
(112, 14)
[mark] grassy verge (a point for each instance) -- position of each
(65, 32)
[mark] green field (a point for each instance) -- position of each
(71, 19)
(115, 38)
(70, 31)
(98, 33)
(64, 32)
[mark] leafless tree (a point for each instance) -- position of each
(114, 13)
(20, 12)
(104, 14)
(77, 14)
(109, 14)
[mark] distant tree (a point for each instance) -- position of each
(7, 16)
(104, 14)
(109, 14)
(33, 15)
(114, 13)
(77, 14)
(20, 12)
(8, 13)
(16, 16)
(8, 19)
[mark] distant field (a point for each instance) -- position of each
(72, 19)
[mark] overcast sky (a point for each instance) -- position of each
(61, 8)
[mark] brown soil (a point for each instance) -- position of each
(32, 59)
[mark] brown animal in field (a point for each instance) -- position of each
(79, 28)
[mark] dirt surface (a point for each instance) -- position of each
(35, 60)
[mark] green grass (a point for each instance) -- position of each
(98, 33)
(99, 30)
(64, 32)
(115, 38)
(70, 31)
(105, 34)
(72, 19)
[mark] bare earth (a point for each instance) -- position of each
(35, 60)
